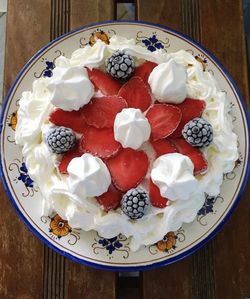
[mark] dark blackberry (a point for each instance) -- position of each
(60, 139)
(120, 65)
(134, 203)
(198, 132)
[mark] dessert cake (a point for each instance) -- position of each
(123, 140)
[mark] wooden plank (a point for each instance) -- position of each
(90, 11)
(223, 34)
(165, 12)
(27, 32)
(85, 282)
(174, 281)
(21, 253)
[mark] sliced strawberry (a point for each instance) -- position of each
(155, 196)
(67, 157)
(99, 142)
(110, 199)
(128, 168)
(163, 146)
(69, 119)
(190, 109)
(196, 156)
(143, 71)
(164, 119)
(104, 82)
(101, 112)
(136, 94)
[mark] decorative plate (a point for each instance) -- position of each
(88, 247)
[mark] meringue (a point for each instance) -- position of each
(168, 82)
(131, 128)
(88, 176)
(173, 174)
(70, 88)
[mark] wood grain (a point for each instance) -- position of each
(164, 12)
(21, 254)
(90, 11)
(89, 283)
(231, 246)
(27, 32)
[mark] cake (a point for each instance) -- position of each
(123, 140)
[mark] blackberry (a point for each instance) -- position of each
(120, 65)
(134, 203)
(198, 132)
(60, 139)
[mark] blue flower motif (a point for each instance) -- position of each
(23, 168)
(208, 206)
(48, 71)
(50, 65)
(152, 43)
(110, 244)
(24, 177)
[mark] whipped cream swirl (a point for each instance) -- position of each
(70, 88)
(131, 128)
(168, 82)
(88, 176)
(173, 174)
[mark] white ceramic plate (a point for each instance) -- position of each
(88, 247)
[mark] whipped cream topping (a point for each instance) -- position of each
(88, 176)
(222, 153)
(85, 212)
(173, 174)
(70, 88)
(34, 108)
(131, 128)
(168, 82)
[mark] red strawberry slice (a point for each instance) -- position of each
(110, 199)
(164, 119)
(67, 158)
(99, 142)
(136, 94)
(190, 109)
(163, 146)
(155, 196)
(143, 71)
(128, 168)
(69, 119)
(104, 82)
(101, 112)
(196, 156)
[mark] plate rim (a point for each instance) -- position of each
(149, 266)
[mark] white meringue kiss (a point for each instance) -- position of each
(88, 176)
(168, 82)
(131, 128)
(70, 87)
(173, 174)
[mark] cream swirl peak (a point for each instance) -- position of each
(173, 174)
(131, 128)
(88, 176)
(168, 82)
(70, 88)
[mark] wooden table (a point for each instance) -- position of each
(221, 269)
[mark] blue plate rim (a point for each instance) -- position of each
(157, 264)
